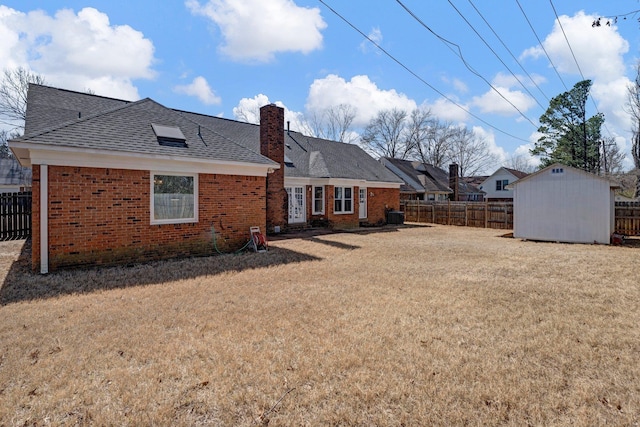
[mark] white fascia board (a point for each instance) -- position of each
(67, 156)
(298, 181)
(337, 182)
(344, 182)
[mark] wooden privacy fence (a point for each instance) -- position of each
(628, 218)
(15, 215)
(500, 215)
(469, 214)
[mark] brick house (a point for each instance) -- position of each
(119, 182)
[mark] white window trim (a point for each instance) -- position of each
(343, 212)
(313, 192)
(195, 199)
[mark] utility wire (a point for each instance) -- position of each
(576, 61)
(397, 61)
(459, 54)
(495, 53)
(509, 50)
(566, 39)
(541, 45)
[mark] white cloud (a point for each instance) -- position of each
(77, 51)
(496, 103)
(199, 88)
(447, 111)
(255, 30)
(498, 152)
(376, 36)
(359, 92)
(248, 110)
(599, 50)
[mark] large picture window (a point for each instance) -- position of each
(174, 198)
(343, 200)
(318, 200)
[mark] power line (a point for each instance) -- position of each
(495, 54)
(566, 39)
(459, 54)
(576, 61)
(397, 61)
(509, 50)
(541, 45)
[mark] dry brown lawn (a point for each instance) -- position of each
(418, 326)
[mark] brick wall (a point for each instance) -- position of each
(272, 146)
(382, 199)
(102, 216)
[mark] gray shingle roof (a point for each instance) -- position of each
(310, 157)
(112, 124)
(431, 179)
(48, 107)
(128, 128)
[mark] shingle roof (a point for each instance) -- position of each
(48, 107)
(127, 128)
(431, 179)
(112, 124)
(310, 157)
(518, 174)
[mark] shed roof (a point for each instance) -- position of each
(585, 174)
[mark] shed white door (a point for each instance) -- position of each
(362, 211)
(296, 205)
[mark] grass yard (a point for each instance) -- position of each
(416, 326)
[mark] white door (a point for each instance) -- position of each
(296, 204)
(362, 212)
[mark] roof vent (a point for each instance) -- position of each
(169, 136)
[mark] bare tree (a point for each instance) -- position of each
(13, 95)
(417, 132)
(334, 123)
(471, 153)
(520, 163)
(612, 158)
(436, 148)
(633, 108)
(385, 135)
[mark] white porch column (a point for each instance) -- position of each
(44, 219)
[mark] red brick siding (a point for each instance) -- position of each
(382, 198)
(102, 216)
(272, 146)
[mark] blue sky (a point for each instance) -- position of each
(228, 57)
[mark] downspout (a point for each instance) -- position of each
(44, 219)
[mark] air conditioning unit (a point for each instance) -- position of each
(395, 217)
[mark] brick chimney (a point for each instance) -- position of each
(272, 146)
(454, 181)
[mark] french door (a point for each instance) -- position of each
(297, 211)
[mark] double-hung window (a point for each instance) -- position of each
(501, 184)
(343, 200)
(174, 198)
(318, 200)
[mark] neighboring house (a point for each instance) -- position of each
(118, 182)
(422, 181)
(495, 186)
(14, 178)
(564, 204)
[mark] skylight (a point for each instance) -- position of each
(170, 136)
